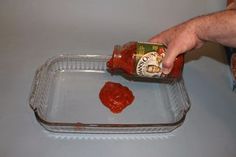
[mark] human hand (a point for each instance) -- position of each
(178, 39)
(231, 4)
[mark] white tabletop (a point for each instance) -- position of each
(32, 31)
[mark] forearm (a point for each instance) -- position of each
(217, 27)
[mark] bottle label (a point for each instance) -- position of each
(149, 59)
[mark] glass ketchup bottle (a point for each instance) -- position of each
(143, 59)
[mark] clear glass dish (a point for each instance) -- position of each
(65, 98)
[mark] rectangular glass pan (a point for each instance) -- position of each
(65, 98)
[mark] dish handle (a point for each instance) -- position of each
(34, 88)
(185, 98)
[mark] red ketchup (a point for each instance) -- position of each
(143, 59)
(115, 96)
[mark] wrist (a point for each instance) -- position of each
(201, 27)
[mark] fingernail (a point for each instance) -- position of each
(166, 70)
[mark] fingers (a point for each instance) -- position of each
(168, 61)
(174, 48)
(172, 51)
(155, 39)
(176, 44)
(160, 38)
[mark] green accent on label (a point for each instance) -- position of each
(145, 47)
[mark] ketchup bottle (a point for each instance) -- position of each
(143, 59)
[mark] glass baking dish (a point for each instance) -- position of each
(65, 98)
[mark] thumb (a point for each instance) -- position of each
(168, 61)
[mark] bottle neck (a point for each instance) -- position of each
(116, 57)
